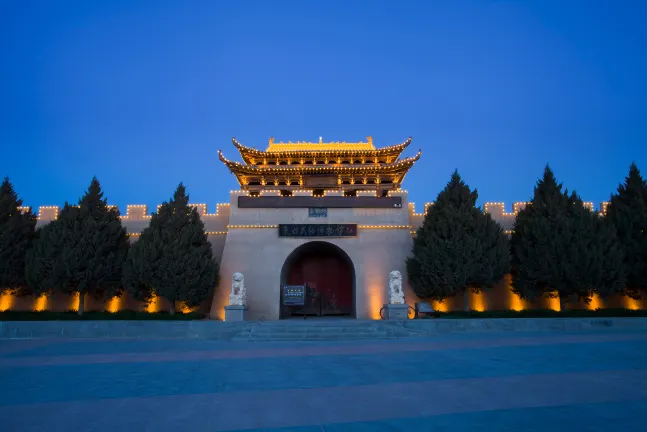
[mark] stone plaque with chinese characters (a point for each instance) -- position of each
(317, 212)
(320, 181)
(318, 230)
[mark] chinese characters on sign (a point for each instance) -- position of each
(317, 230)
(317, 212)
(294, 295)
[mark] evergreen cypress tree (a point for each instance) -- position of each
(82, 251)
(558, 245)
(173, 257)
(627, 211)
(17, 229)
(458, 247)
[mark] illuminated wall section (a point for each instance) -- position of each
(41, 303)
(135, 220)
(6, 302)
(114, 304)
(153, 305)
(374, 289)
(137, 217)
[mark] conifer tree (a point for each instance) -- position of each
(627, 211)
(173, 257)
(560, 247)
(82, 251)
(17, 229)
(458, 248)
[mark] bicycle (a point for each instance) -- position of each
(411, 312)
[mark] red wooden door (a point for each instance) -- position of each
(329, 279)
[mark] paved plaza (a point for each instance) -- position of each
(548, 381)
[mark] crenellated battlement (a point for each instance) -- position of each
(496, 210)
(134, 212)
(137, 216)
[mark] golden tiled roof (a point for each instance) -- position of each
(276, 147)
(323, 150)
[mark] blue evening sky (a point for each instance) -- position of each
(142, 94)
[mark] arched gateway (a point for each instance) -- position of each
(329, 275)
(331, 215)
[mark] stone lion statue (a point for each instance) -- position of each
(396, 295)
(238, 296)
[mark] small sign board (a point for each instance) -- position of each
(319, 181)
(294, 295)
(317, 212)
(317, 230)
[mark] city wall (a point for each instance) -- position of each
(378, 231)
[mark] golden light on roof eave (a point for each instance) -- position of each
(343, 149)
(398, 166)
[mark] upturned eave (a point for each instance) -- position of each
(244, 169)
(249, 154)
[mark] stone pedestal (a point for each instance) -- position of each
(396, 312)
(235, 313)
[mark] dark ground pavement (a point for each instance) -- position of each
(487, 382)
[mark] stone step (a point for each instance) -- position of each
(321, 330)
(377, 324)
(281, 340)
(314, 323)
(318, 330)
(312, 337)
(308, 333)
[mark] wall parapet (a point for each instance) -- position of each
(498, 212)
(140, 211)
(498, 208)
(134, 212)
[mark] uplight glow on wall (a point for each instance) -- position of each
(6, 302)
(40, 304)
(74, 302)
(632, 304)
(153, 305)
(439, 306)
(477, 301)
(516, 303)
(553, 303)
(596, 303)
(186, 309)
(114, 304)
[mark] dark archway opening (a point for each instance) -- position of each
(329, 275)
